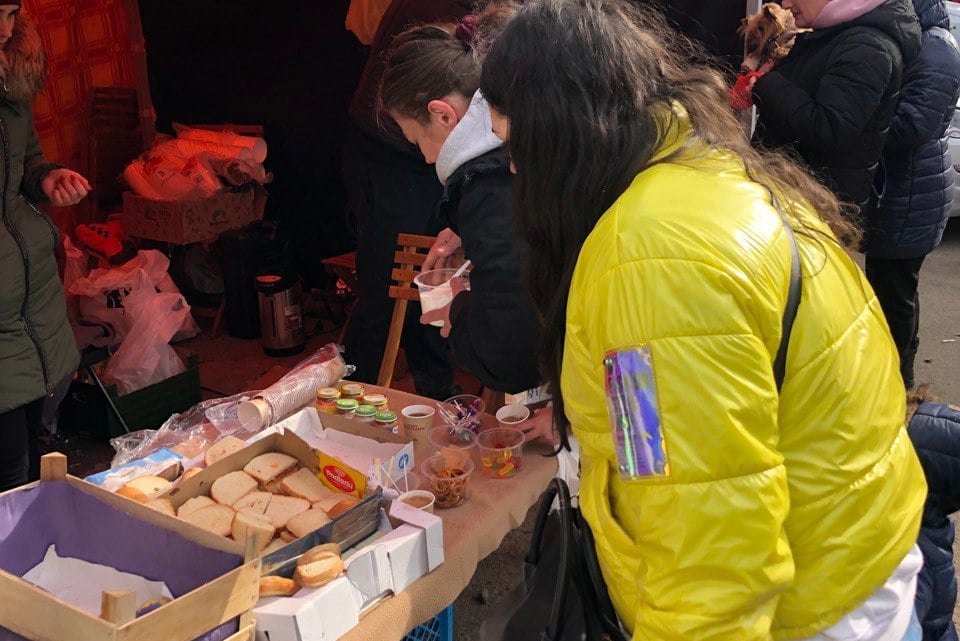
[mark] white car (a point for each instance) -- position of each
(953, 9)
(954, 141)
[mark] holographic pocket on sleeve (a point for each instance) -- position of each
(635, 413)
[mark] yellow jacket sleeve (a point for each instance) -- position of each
(695, 549)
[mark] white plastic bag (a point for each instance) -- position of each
(185, 433)
(117, 295)
(145, 357)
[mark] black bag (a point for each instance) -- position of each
(562, 596)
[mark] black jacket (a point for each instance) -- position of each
(494, 331)
(915, 180)
(935, 432)
(832, 98)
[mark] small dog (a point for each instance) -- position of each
(768, 35)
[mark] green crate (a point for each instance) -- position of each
(86, 410)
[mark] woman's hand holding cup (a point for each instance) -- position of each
(443, 251)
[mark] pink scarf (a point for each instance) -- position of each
(838, 12)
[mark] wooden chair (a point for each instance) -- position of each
(411, 252)
(409, 257)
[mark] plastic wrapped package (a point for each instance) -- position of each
(188, 433)
(257, 146)
(295, 390)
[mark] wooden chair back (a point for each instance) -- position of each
(408, 259)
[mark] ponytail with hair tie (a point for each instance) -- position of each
(467, 29)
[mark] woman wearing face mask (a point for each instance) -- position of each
(661, 252)
(37, 348)
(832, 98)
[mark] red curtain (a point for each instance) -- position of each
(87, 44)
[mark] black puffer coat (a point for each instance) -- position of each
(494, 329)
(832, 98)
(915, 180)
(935, 432)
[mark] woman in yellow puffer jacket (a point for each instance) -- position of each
(722, 508)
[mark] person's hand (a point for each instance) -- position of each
(767, 66)
(540, 426)
(442, 314)
(64, 187)
(444, 247)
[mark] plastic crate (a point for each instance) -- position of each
(85, 409)
(439, 628)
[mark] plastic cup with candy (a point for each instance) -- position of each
(442, 438)
(501, 452)
(462, 414)
(447, 475)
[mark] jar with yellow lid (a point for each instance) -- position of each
(327, 398)
(352, 390)
(387, 420)
(366, 414)
(378, 401)
(347, 407)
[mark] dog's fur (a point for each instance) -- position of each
(22, 63)
(768, 35)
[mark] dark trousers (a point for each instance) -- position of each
(896, 282)
(20, 444)
(391, 193)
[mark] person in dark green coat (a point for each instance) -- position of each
(37, 348)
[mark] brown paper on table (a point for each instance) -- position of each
(471, 532)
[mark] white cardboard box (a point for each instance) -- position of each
(391, 563)
(386, 566)
(313, 614)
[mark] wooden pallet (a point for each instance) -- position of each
(112, 141)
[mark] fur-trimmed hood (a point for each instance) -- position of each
(22, 62)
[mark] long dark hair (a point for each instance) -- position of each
(585, 85)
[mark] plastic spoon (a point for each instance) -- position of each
(460, 271)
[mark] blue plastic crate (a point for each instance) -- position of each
(439, 628)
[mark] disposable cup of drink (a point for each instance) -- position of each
(512, 415)
(417, 421)
(435, 290)
(420, 499)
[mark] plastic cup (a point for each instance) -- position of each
(435, 290)
(420, 499)
(442, 438)
(501, 452)
(448, 478)
(463, 410)
(512, 415)
(417, 421)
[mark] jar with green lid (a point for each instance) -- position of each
(387, 420)
(347, 406)
(327, 398)
(379, 401)
(366, 413)
(352, 390)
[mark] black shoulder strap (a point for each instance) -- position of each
(793, 299)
